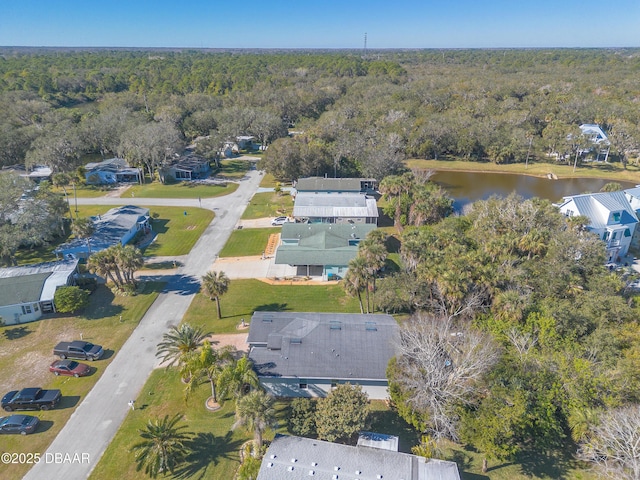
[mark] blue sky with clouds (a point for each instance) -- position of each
(321, 24)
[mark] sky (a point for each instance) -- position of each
(320, 24)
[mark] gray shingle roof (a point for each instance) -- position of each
(345, 205)
(322, 345)
(321, 184)
(294, 458)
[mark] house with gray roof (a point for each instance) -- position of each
(26, 292)
(335, 185)
(335, 207)
(298, 458)
(320, 249)
(118, 225)
(308, 354)
(611, 217)
(111, 171)
(188, 167)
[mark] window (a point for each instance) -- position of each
(334, 383)
(627, 232)
(26, 309)
(605, 236)
(615, 234)
(303, 386)
(569, 213)
(35, 307)
(616, 217)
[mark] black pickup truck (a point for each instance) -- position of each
(30, 399)
(78, 349)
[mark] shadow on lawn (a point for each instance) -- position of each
(272, 307)
(16, 333)
(206, 449)
(101, 305)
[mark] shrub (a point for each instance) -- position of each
(70, 299)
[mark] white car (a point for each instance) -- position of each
(279, 221)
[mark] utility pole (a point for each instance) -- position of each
(75, 195)
(365, 44)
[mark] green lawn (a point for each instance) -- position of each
(247, 242)
(268, 181)
(179, 190)
(177, 232)
(612, 171)
(25, 354)
(233, 169)
(247, 295)
(268, 205)
(215, 445)
(84, 191)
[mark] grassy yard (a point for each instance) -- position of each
(612, 171)
(247, 242)
(268, 181)
(215, 445)
(180, 190)
(25, 355)
(268, 205)
(84, 191)
(246, 296)
(233, 169)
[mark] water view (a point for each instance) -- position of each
(468, 187)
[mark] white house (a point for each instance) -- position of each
(27, 292)
(611, 217)
(376, 456)
(307, 354)
(118, 225)
(599, 140)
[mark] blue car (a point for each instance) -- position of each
(21, 424)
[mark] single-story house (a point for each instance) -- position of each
(36, 173)
(307, 354)
(118, 225)
(299, 458)
(27, 292)
(243, 142)
(611, 217)
(329, 185)
(190, 167)
(336, 207)
(320, 249)
(111, 171)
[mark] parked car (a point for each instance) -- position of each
(70, 368)
(279, 221)
(31, 399)
(22, 424)
(78, 349)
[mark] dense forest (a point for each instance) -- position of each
(359, 114)
(519, 339)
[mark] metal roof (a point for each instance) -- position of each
(110, 228)
(334, 205)
(598, 207)
(298, 458)
(34, 283)
(322, 345)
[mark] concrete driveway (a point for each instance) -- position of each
(97, 419)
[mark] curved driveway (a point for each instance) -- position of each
(97, 419)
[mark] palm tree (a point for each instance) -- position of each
(237, 378)
(103, 264)
(129, 259)
(207, 365)
(256, 412)
(83, 228)
(215, 284)
(356, 280)
(179, 342)
(375, 256)
(163, 446)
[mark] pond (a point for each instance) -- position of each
(468, 187)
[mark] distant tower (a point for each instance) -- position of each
(365, 44)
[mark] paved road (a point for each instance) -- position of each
(97, 419)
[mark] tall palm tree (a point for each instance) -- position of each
(356, 280)
(215, 284)
(375, 256)
(237, 378)
(103, 263)
(255, 411)
(83, 228)
(207, 365)
(163, 446)
(129, 259)
(179, 342)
